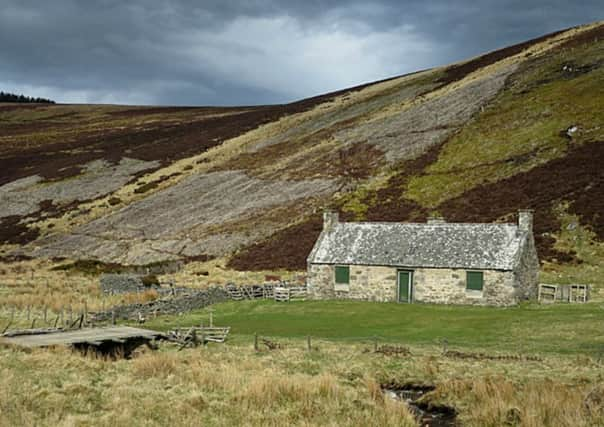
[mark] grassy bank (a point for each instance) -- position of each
(335, 384)
(552, 329)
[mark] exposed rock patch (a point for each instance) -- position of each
(411, 131)
(175, 223)
(24, 196)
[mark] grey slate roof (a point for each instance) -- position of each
(445, 245)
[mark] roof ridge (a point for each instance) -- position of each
(425, 223)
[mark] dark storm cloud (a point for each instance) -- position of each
(249, 52)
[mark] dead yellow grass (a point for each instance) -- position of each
(232, 387)
(194, 275)
(496, 401)
(333, 385)
(32, 290)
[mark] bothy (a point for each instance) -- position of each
(436, 262)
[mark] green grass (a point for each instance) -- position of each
(558, 329)
(574, 236)
(521, 125)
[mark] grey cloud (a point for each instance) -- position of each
(250, 52)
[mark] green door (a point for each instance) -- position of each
(404, 286)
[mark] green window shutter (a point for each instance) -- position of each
(342, 275)
(474, 280)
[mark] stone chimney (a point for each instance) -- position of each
(525, 220)
(330, 219)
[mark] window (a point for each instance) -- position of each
(342, 275)
(474, 280)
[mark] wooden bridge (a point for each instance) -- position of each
(110, 340)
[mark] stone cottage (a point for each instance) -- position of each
(434, 262)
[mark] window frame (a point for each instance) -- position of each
(470, 272)
(335, 275)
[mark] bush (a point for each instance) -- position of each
(150, 280)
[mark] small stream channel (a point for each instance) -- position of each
(425, 413)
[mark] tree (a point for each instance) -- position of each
(11, 97)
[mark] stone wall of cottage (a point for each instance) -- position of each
(430, 285)
(526, 276)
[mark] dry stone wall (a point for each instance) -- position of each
(121, 283)
(194, 300)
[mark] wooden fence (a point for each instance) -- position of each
(282, 292)
(572, 293)
(32, 318)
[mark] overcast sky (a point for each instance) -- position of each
(213, 52)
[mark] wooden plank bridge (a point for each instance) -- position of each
(110, 337)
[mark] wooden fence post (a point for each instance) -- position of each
(308, 345)
(85, 313)
(255, 341)
(375, 344)
(10, 322)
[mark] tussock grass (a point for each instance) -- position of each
(496, 401)
(31, 289)
(233, 385)
(214, 272)
(221, 386)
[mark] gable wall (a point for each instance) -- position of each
(526, 276)
(430, 285)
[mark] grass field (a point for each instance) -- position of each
(532, 328)
(339, 382)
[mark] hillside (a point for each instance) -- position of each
(521, 127)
